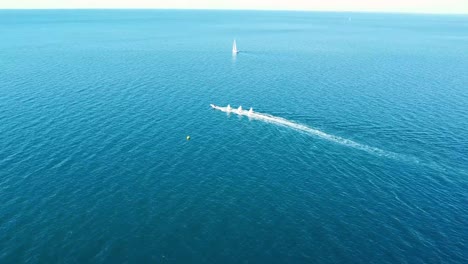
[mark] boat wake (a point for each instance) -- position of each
(306, 129)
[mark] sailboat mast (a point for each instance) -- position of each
(234, 47)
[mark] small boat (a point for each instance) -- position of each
(234, 48)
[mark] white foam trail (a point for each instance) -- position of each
(306, 129)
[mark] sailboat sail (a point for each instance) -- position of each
(234, 48)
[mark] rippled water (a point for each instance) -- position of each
(95, 107)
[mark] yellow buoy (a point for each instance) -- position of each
(188, 137)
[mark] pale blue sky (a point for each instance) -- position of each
(413, 6)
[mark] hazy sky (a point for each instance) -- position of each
(417, 6)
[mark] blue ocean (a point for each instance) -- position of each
(357, 151)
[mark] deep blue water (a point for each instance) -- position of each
(95, 107)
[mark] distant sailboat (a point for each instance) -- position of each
(234, 48)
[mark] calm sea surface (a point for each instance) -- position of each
(95, 107)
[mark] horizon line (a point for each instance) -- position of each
(244, 9)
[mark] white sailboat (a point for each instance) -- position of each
(234, 48)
